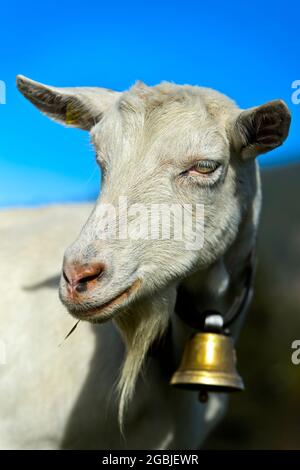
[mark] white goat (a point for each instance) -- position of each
(167, 144)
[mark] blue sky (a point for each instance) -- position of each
(249, 51)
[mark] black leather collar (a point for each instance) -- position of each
(196, 319)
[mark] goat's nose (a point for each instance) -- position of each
(80, 278)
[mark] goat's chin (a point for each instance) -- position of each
(139, 326)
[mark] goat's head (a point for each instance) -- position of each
(184, 146)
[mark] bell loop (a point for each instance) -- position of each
(213, 322)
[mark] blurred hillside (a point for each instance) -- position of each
(267, 414)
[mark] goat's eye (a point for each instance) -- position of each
(203, 167)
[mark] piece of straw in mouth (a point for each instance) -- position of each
(70, 332)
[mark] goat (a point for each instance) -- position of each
(164, 145)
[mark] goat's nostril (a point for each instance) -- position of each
(80, 278)
(82, 284)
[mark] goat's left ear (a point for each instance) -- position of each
(261, 129)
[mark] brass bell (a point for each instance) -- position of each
(208, 365)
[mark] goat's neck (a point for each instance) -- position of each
(217, 286)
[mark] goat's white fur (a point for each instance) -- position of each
(143, 138)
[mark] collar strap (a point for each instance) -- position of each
(196, 319)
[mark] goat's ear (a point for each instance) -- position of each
(75, 107)
(261, 129)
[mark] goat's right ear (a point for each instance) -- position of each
(76, 107)
(261, 129)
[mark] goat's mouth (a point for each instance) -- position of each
(104, 311)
